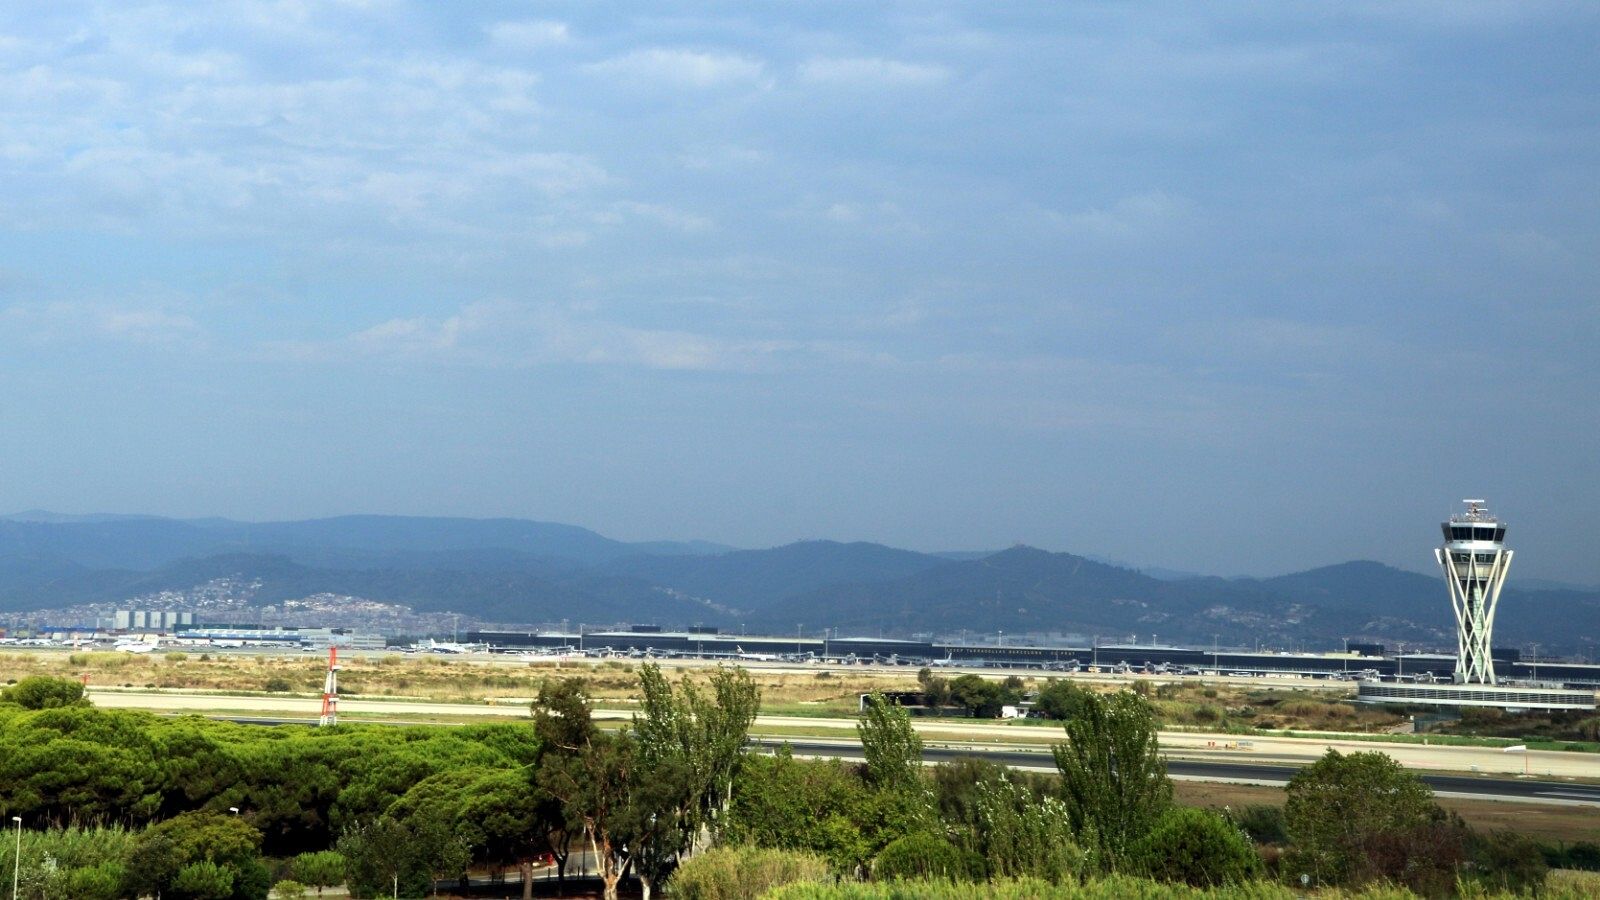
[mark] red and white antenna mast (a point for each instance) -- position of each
(330, 690)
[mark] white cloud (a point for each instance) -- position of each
(78, 321)
(528, 35)
(872, 72)
(1131, 216)
(666, 216)
(681, 68)
(504, 334)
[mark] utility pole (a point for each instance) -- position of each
(1214, 638)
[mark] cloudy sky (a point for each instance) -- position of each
(1235, 288)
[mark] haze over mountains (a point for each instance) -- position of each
(519, 571)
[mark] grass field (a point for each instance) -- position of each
(1548, 823)
(1284, 709)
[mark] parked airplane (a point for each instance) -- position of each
(138, 646)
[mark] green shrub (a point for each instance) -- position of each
(1196, 847)
(1508, 861)
(278, 685)
(176, 656)
(1263, 824)
(924, 856)
(203, 880)
(743, 873)
(43, 692)
(1115, 887)
(289, 890)
(321, 869)
(102, 882)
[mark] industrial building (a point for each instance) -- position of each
(1415, 668)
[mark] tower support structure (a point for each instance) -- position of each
(330, 690)
(1475, 561)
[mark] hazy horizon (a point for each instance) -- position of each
(1227, 288)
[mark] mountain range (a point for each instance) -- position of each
(519, 571)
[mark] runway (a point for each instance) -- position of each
(1210, 757)
(1483, 787)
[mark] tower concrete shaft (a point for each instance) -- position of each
(1475, 561)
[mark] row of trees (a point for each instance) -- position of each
(403, 809)
(1348, 819)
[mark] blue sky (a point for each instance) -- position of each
(1224, 287)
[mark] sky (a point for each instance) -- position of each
(1235, 288)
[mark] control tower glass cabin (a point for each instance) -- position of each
(1475, 560)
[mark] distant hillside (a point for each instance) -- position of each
(136, 542)
(1025, 589)
(519, 571)
(754, 579)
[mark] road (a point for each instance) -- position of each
(1177, 744)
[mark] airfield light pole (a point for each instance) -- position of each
(797, 627)
(1535, 660)
(1214, 638)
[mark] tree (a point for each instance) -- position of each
(1196, 847)
(935, 690)
(1341, 805)
(222, 843)
(590, 772)
(980, 698)
(203, 880)
(1020, 834)
(384, 857)
(44, 692)
(319, 869)
(818, 806)
(1113, 780)
(689, 744)
(1061, 700)
(892, 748)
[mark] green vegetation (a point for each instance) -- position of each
(735, 873)
(40, 692)
(124, 804)
(1112, 777)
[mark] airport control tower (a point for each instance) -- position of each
(1475, 560)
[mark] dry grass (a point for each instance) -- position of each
(1537, 820)
(611, 682)
(830, 692)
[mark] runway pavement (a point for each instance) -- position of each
(1213, 750)
(1524, 790)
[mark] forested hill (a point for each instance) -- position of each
(530, 572)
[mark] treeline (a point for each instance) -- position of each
(128, 805)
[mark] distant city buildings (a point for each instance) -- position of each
(146, 619)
